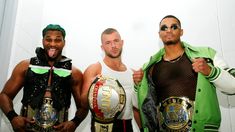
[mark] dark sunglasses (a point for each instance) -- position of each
(173, 27)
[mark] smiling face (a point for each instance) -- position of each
(53, 43)
(170, 31)
(112, 44)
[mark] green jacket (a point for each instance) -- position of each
(206, 115)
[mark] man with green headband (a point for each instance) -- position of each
(48, 81)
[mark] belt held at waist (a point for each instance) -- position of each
(175, 114)
(45, 117)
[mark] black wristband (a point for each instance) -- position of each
(11, 114)
(76, 120)
(141, 129)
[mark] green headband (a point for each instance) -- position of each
(53, 27)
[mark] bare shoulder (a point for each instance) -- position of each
(93, 69)
(22, 66)
(89, 75)
(16, 80)
(24, 63)
(76, 73)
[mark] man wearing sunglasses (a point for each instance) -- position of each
(178, 89)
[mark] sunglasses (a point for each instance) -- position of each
(173, 27)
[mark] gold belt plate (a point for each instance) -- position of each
(175, 113)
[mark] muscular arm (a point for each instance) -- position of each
(13, 86)
(10, 90)
(89, 75)
(77, 80)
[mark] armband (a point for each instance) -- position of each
(76, 120)
(11, 114)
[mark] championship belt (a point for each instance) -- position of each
(107, 99)
(45, 117)
(175, 114)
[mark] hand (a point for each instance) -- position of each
(200, 65)
(137, 76)
(19, 123)
(68, 126)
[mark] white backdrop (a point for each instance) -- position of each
(205, 23)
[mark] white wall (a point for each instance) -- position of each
(227, 30)
(205, 23)
(7, 23)
(22, 41)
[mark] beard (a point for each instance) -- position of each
(171, 42)
(112, 56)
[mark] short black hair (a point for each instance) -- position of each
(53, 27)
(171, 16)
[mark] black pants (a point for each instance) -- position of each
(118, 126)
